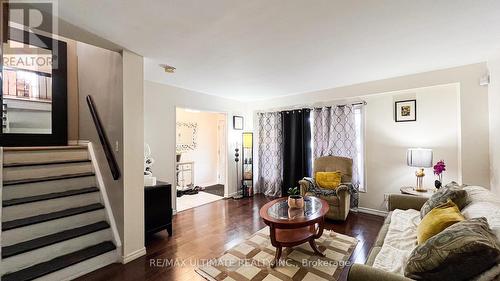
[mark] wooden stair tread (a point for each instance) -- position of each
(22, 164)
(63, 177)
(59, 263)
(50, 216)
(31, 199)
(23, 247)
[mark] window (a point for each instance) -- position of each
(359, 121)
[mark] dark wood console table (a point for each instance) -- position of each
(158, 208)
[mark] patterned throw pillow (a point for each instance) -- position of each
(459, 252)
(455, 193)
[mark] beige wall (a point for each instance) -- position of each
(133, 151)
(473, 155)
(115, 82)
(205, 153)
(72, 90)
(100, 75)
(160, 102)
(494, 103)
(386, 142)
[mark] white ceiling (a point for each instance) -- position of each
(257, 49)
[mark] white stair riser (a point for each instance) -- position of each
(82, 268)
(49, 206)
(44, 156)
(22, 234)
(41, 171)
(45, 187)
(27, 259)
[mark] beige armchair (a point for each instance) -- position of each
(340, 201)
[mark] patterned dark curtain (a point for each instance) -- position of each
(296, 147)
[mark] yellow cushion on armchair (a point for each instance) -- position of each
(328, 180)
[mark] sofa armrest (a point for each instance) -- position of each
(305, 184)
(405, 202)
(361, 272)
(343, 189)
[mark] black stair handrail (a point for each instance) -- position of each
(113, 165)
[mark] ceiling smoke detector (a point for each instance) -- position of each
(168, 68)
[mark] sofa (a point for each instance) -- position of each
(480, 203)
(338, 201)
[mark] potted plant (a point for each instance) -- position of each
(439, 168)
(295, 200)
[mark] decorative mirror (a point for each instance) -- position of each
(33, 89)
(186, 136)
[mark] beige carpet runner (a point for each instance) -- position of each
(250, 260)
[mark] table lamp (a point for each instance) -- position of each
(420, 158)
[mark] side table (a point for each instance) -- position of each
(410, 190)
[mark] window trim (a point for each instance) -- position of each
(362, 161)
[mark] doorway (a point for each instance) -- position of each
(201, 157)
(221, 151)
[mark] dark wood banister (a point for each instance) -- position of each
(108, 151)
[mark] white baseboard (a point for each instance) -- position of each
(372, 212)
(231, 195)
(134, 255)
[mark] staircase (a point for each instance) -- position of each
(55, 225)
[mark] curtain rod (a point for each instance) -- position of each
(298, 107)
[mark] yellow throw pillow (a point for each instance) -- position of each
(328, 180)
(437, 220)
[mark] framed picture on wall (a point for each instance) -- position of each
(405, 111)
(238, 122)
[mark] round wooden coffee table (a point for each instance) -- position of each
(291, 227)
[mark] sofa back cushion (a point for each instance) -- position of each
(437, 220)
(477, 194)
(454, 193)
(483, 203)
(460, 252)
(334, 163)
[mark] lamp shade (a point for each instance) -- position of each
(247, 140)
(419, 157)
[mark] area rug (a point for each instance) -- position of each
(251, 259)
(217, 189)
(190, 201)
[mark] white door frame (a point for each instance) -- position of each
(221, 151)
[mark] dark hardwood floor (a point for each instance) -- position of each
(207, 231)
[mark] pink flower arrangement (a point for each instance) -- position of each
(439, 168)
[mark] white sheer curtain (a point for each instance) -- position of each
(334, 133)
(270, 153)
